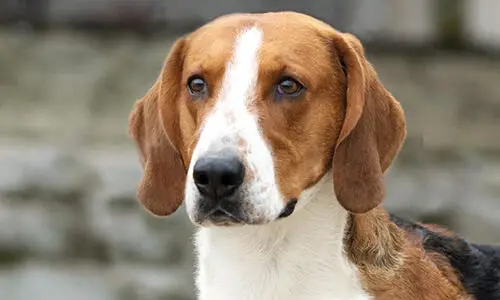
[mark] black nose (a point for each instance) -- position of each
(219, 174)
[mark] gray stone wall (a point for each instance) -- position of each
(70, 227)
(410, 22)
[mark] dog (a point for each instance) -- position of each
(275, 132)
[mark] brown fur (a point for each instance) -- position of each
(372, 134)
(346, 120)
(393, 264)
(152, 124)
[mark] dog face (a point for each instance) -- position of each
(250, 110)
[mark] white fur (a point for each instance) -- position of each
(232, 125)
(297, 258)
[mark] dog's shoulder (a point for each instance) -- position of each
(477, 266)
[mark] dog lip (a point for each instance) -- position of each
(289, 209)
(219, 214)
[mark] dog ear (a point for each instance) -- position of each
(372, 133)
(154, 126)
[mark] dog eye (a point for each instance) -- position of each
(289, 87)
(197, 86)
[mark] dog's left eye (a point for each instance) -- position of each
(197, 86)
(289, 87)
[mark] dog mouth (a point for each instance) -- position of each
(221, 216)
(289, 209)
(230, 215)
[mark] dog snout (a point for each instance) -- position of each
(218, 175)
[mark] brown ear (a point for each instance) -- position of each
(371, 136)
(161, 189)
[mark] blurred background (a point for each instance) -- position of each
(70, 71)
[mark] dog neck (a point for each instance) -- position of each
(299, 257)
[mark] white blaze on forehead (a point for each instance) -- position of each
(241, 74)
(229, 121)
(230, 124)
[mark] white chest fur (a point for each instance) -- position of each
(298, 258)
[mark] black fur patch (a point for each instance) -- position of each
(478, 266)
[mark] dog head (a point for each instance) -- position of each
(250, 110)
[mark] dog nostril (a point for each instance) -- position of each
(227, 179)
(201, 178)
(232, 178)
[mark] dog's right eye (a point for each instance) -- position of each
(289, 87)
(197, 86)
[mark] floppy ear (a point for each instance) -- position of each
(154, 126)
(371, 136)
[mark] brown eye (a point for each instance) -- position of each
(197, 86)
(289, 87)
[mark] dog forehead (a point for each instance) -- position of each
(213, 43)
(286, 35)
